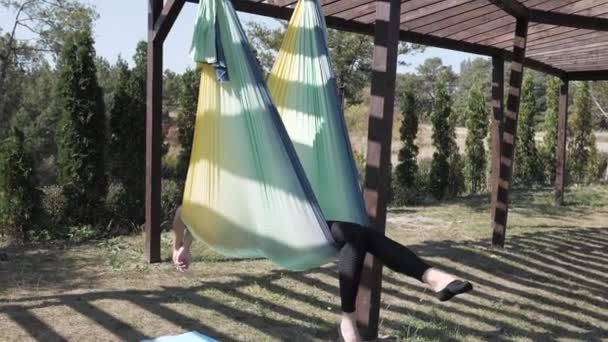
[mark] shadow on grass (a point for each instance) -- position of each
(544, 286)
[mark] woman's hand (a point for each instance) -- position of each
(182, 258)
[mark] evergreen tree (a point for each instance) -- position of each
(442, 139)
(81, 130)
(550, 139)
(527, 167)
(19, 196)
(187, 104)
(407, 169)
(476, 116)
(120, 126)
(583, 161)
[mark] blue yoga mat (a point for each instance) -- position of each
(187, 337)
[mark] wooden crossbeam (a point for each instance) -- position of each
(562, 132)
(590, 75)
(376, 185)
(167, 18)
(500, 195)
(518, 10)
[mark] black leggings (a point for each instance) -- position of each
(354, 242)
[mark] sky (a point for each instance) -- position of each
(122, 23)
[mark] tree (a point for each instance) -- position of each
(473, 73)
(81, 130)
(407, 169)
(38, 27)
(442, 139)
(428, 73)
(37, 117)
(583, 161)
(476, 115)
(187, 102)
(171, 88)
(528, 170)
(549, 151)
(19, 196)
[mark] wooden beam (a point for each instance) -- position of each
(404, 35)
(167, 17)
(377, 171)
(562, 138)
(500, 196)
(153, 135)
(498, 72)
(520, 11)
(591, 75)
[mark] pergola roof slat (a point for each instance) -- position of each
(560, 32)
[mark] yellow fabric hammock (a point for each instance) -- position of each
(250, 191)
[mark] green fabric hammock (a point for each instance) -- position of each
(247, 193)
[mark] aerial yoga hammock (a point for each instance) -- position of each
(269, 168)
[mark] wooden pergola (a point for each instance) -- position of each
(564, 38)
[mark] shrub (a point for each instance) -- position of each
(407, 169)
(53, 206)
(582, 160)
(19, 196)
(477, 124)
(81, 130)
(528, 169)
(171, 198)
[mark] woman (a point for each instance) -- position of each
(354, 242)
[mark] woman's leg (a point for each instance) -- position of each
(356, 241)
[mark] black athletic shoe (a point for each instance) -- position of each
(454, 288)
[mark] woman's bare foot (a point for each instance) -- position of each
(348, 328)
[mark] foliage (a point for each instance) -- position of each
(127, 136)
(53, 204)
(37, 117)
(428, 74)
(171, 199)
(187, 104)
(81, 130)
(474, 74)
(19, 196)
(171, 92)
(476, 115)
(443, 179)
(407, 169)
(549, 150)
(583, 161)
(528, 168)
(37, 28)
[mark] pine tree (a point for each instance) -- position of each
(442, 140)
(187, 103)
(476, 115)
(549, 151)
(527, 166)
(582, 150)
(81, 130)
(407, 169)
(19, 197)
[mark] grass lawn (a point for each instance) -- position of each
(548, 284)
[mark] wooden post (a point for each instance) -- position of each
(562, 138)
(498, 72)
(153, 134)
(500, 202)
(377, 171)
